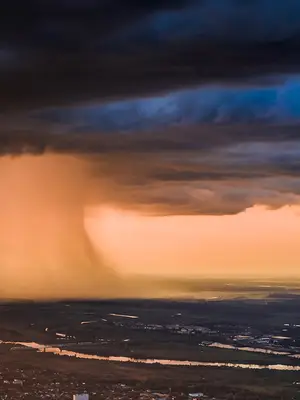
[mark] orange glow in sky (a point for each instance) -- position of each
(255, 242)
(52, 245)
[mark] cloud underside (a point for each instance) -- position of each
(227, 145)
(207, 150)
(205, 169)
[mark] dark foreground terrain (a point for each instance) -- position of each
(249, 333)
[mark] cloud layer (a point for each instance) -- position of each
(203, 151)
(197, 105)
(66, 52)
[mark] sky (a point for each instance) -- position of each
(254, 244)
(151, 138)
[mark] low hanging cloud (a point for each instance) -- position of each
(174, 154)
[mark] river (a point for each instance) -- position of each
(60, 352)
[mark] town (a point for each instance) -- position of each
(149, 350)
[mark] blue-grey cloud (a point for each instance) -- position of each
(210, 104)
(72, 52)
(222, 20)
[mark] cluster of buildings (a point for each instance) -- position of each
(174, 328)
(42, 384)
(21, 384)
(122, 392)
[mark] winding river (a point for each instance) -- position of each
(60, 352)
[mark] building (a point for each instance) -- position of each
(83, 396)
(196, 396)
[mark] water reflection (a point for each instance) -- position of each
(249, 349)
(61, 352)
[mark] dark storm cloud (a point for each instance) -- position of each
(71, 25)
(55, 52)
(206, 169)
(203, 139)
(188, 120)
(229, 144)
(228, 20)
